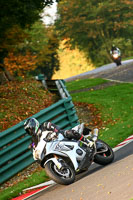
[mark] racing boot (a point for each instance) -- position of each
(87, 160)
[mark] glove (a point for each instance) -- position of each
(50, 136)
(51, 127)
(31, 146)
(91, 143)
(72, 134)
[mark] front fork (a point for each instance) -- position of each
(56, 161)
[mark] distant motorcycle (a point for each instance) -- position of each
(63, 158)
(116, 56)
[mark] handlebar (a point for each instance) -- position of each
(95, 134)
(81, 128)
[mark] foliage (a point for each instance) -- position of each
(37, 48)
(72, 62)
(49, 55)
(20, 100)
(19, 64)
(16, 15)
(43, 43)
(94, 25)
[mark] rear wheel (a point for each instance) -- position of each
(63, 176)
(105, 154)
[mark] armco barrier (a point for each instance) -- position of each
(56, 86)
(62, 88)
(14, 142)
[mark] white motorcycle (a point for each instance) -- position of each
(63, 158)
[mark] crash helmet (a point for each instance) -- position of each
(31, 126)
(113, 46)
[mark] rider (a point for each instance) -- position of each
(114, 48)
(33, 128)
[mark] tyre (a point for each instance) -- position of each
(118, 62)
(65, 176)
(106, 156)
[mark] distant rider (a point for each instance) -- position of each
(114, 48)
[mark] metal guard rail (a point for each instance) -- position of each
(14, 142)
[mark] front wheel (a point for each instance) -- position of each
(63, 176)
(105, 154)
(118, 61)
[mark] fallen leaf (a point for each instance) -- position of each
(109, 192)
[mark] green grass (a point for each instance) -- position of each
(131, 57)
(115, 104)
(84, 83)
(14, 191)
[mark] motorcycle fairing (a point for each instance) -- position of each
(61, 148)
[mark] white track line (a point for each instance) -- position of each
(40, 185)
(122, 144)
(37, 192)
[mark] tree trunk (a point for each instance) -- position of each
(8, 75)
(5, 76)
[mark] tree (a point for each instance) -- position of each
(13, 36)
(50, 61)
(37, 53)
(17, 13)
(94, 25)
(18, 64)
(43, 43)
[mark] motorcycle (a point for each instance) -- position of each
(63, 159)
(116, 57)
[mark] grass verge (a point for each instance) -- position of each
(115, 107)
(16, 190)
(84, 83)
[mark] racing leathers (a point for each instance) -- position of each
(53, 132)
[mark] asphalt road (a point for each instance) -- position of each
(113, 182)
(123, 72)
